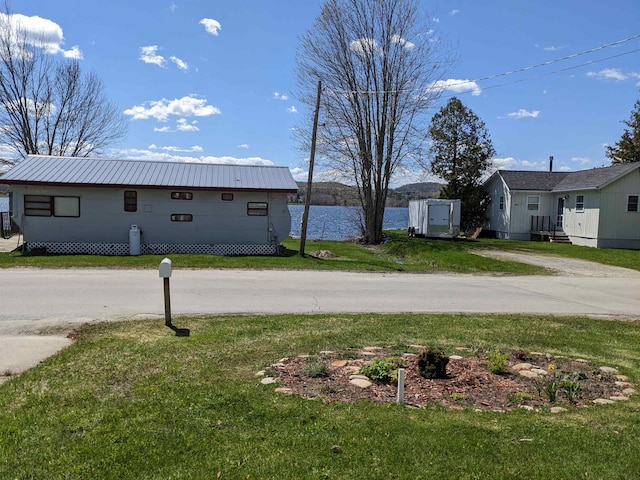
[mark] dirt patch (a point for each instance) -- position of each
(469, 383)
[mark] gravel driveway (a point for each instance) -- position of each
(566, 266)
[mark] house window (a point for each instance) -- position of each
(632, 203)
(533, 202)
(130, 201)
(181, 217)
(47, 206)
(181, 196)
(257, 209)
(66, 207)
(501, 202)
(38, 206)
(579, 203)
(227, 197)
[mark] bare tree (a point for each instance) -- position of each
(378, 64)
(47, 106)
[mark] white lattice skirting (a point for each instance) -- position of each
(158, 249)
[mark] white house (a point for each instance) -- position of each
(596, 208)
(88, 205)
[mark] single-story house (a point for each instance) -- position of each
(596, 207)
(122, 207)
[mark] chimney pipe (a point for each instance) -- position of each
(551, 163)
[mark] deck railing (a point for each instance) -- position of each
(543, 223)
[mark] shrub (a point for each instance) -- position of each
(382, 369)
(432, 363)
(497, 362)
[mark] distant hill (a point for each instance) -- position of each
(334, 193)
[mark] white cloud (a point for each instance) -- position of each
(522, 113)
(280, 96)
(552, 48)
(457, 86)
(184, 126)
(364, 46)
(211, 26)
(506, 163)
(188, 106)
(613, 74)
(173, 7)
(244, 145)
(292, 109)
(564, 169)
(227, 160)
(172, 154)
(41, 32)
(402, 42)
(162, 129)
(149, 54)
(172, 148)
(181, 64)
(454, 12)
(436, 20)
(581, 160)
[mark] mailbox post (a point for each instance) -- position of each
(165, 273)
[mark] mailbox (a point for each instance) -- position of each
(165, 268)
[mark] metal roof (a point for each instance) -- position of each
(594, 178)
(104, 172)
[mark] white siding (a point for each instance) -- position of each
(103, 219)
(617, 226)
(521, 216)
(582, 224)
(498, 220)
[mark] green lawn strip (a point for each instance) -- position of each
(131, 400)
(397, 255)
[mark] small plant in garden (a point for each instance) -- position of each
(432, 363)
(315, 368)
(497, 362)
(457, 397)
(382, 369)
(570, 388)
(551, 390)
(519, 397)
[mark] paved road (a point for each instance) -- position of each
(33, 299)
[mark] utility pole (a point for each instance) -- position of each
(307, 198)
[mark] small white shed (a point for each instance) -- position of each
(434, 217)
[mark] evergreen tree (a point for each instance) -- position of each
(461, 153)
(627, 149)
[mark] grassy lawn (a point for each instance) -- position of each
(132, 401)
(400, 253)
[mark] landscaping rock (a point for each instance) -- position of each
(619, 398)
(521, 366)
(358, 382)
(358, 377)
(610, 370)
(455, 357)
(339, 363)
(622, 378)
(557, 409)
(603, 401)
(268, 380)
(286, 390)
(628, 391)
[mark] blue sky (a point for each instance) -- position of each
(214, 80)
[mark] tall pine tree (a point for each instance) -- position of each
(627, 149)
(461, 153)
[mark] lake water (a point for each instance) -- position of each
(340, 223)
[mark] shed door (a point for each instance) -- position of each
(438, 219)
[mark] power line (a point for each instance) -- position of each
(520, 70)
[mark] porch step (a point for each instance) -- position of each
(560, 237)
